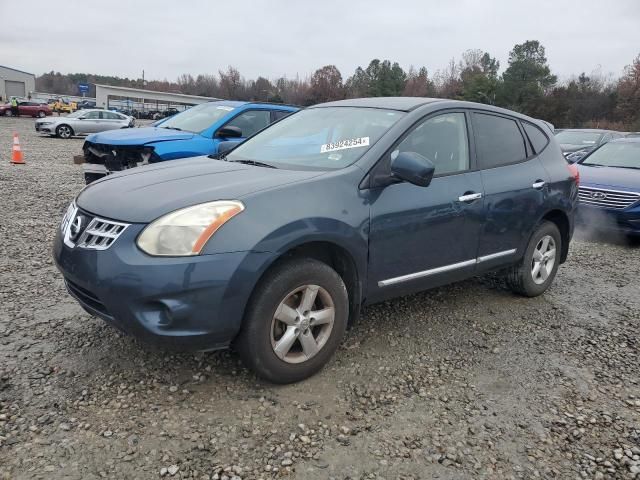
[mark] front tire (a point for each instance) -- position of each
(64, 131)
(41, 114)
(294, 322)
(539, 265)
(8, 113)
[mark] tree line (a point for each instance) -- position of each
(526, 85)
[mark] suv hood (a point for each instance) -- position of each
(139, 136)
(614, 178)
(140, 195)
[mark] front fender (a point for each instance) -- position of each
(175, 149)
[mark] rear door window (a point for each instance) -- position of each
(536, 136)
(498, 140)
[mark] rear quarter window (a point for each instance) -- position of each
(536, 136)
(498, 140)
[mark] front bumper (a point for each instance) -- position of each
(48, 129)
(193, 303)
(625, 221)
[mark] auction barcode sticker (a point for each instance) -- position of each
(344, 144)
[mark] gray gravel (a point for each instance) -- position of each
(464, 382)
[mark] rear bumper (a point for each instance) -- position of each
(609, 220)
(186, 303)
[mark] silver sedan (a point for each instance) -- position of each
(83, 122)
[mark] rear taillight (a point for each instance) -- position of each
(575, 173)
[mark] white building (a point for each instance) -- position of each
(15, 83)
(108, 96)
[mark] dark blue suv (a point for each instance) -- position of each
(275, 247)
(197, 131)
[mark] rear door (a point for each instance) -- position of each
(110, 121)
(515, 186)
(89, 123)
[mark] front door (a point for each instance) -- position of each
(421, 237)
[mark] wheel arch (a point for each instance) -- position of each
(333, 254)
(561, 220)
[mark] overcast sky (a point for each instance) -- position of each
(288, 37)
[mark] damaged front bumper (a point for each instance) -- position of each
(101, 159)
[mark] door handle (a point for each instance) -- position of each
(470, 197)
(538, 184)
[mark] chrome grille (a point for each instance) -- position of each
(100, 234)
(68, 216)
(615, 199)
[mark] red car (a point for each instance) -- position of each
(31, 109)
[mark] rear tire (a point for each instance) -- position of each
(294, 322)
(533, 275)
(8, 113)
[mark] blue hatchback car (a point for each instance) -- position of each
(194, 132)
(610, 188)
(275, 247)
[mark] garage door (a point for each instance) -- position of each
(14, 89)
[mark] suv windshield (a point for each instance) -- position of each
(622, 155)
(578, 138)
(324, 138)
(197, 118)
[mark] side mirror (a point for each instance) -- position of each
(229, 132)
(413, 168)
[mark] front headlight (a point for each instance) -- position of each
(185, 231)
(45, 123)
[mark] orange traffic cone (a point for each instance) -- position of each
(16, 154)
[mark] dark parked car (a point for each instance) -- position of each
(576, 143)
(86, 104)
(277, 246)
(610, 189)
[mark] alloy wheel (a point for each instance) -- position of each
(64, 131)
(544, 259)
(302, 324)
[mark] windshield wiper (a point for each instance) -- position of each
(251, 162)
(620, 166)
(173, 128)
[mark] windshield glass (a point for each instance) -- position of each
(318, 138)
(578, 138)
(623, 155)
(76, 114)
(198, 118)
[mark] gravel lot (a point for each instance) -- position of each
(464, 382)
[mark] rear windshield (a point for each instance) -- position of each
(325, 138)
